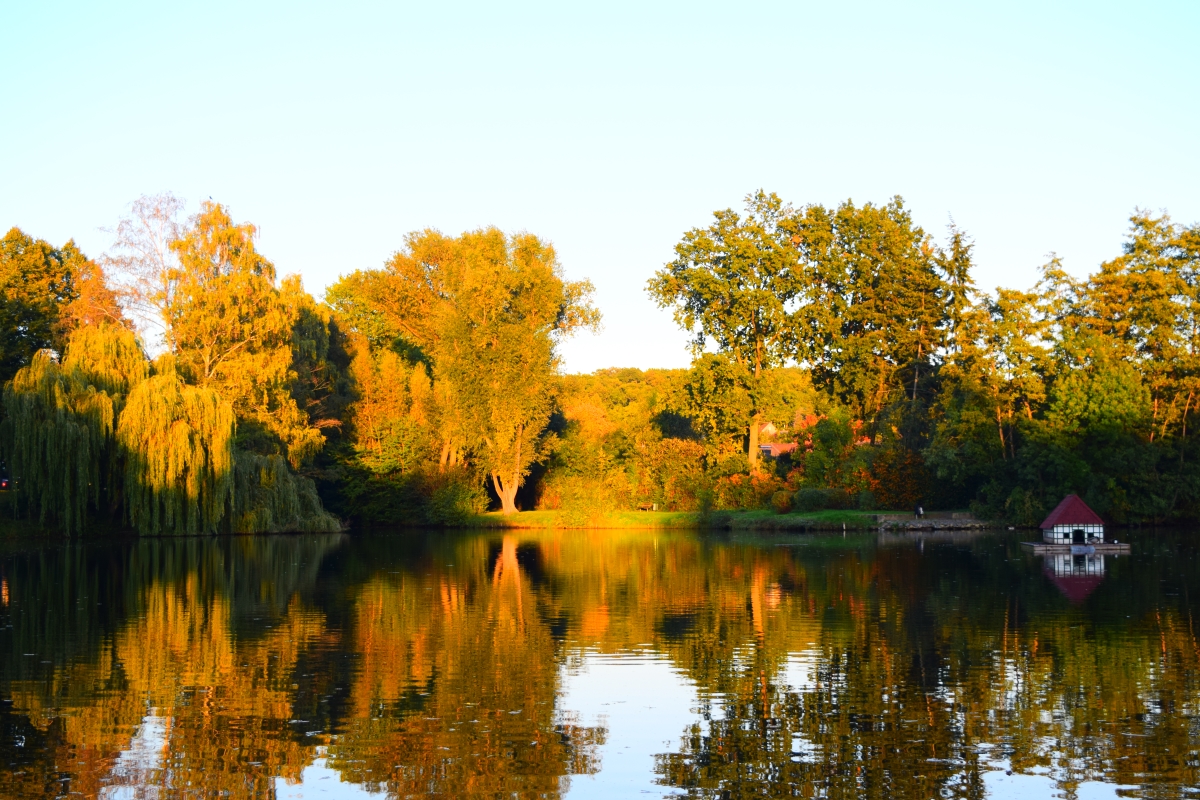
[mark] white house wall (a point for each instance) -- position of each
(1061, 534)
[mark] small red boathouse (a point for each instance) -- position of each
(1072, 522)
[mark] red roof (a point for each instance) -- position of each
(1071, 511)
(1075, 587)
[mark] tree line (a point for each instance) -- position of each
(843, 358)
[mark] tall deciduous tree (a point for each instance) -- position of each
(142, 263)
(878, 302)
(487, 310)
(495, 347)
(735, 283)
(232, 330)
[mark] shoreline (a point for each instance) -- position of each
(752, 520)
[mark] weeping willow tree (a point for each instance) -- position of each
(56, 440)
(108, 356)
(99, 427)
(269, 498)
(184, 476)
(177, 443)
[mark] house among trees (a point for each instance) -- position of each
(776, 449)
(770, 449)
(1073, 522)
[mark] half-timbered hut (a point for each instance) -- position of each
(1072, 522)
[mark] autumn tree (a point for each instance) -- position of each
(391, 415)
(232, 330)
(496, 347)
(177, 442)
(487, 311)
(38, 282)
(735, 284)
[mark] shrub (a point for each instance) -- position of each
(745, 491)
(815, 499)
(581, 500)
(782, 502)
(455, 499)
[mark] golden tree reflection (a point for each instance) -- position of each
(457, 688)
(839, 668)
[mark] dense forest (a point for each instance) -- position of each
(842, 358)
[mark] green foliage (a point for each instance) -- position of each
(455, 498)
(177, 445)
(107, 356)
(37, 283)
(867, 500)
(733, 284)
(812, 498)
(1096, 390)
(268, 497)
(55, 439)
(715, 396)
(1080, 386)
(836, 455)
(879, 300)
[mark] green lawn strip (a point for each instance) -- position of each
(759, 520)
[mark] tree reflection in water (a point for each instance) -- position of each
(433, 664)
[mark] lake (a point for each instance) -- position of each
(601, 664)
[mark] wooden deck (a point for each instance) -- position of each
(1110, 548)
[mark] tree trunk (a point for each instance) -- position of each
(1000, 427)
(756, 416)
(507, 490)
(753, 454)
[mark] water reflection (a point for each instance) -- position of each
(1076, 576)
(543, 665)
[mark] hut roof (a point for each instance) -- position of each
(1076, 588)
(1071, 511)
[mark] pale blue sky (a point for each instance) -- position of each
(607, 128)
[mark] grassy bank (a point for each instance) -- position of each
(756, 520)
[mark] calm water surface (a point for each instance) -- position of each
(626, 664)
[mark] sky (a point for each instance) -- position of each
(608, 129)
